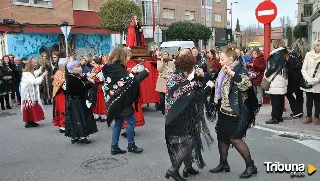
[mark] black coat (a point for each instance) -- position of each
(17, 71)
(3, 89)
(275, 62)
(8, 83)
(294, 66)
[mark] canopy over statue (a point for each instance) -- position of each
(135, 37)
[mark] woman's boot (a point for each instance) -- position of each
(250, 170)
(308, 120)
(222, 167)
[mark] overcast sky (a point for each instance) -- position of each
(245, 11)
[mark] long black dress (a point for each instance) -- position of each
(79, 118)
(185, 121)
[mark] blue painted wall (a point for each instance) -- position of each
(28, 44)
(89, 45)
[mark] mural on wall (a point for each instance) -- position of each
(29, 44)
(89, 45)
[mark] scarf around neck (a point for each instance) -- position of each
(58, 80)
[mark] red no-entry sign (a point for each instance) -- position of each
(266, 12)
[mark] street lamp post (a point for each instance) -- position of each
(236, 2)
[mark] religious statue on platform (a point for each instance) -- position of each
(135, 37)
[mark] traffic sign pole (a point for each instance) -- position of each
(267, 40)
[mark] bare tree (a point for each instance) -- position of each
(289, 22)
(283, 20)
(249, 34)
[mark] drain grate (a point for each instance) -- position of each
(97, 164)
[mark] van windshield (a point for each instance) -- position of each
(169, 49)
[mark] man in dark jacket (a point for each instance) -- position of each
(17, 71)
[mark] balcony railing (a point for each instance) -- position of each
(307, 10)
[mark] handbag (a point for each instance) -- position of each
(304, 84)
(265, 84)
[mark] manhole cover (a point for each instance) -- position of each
(96, 164)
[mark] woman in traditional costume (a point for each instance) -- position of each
(236, 106)
(79, 122)
(59, 96)
(46, 86)
(184, 119)
(96, 93)
(121, 90)
(31, 106)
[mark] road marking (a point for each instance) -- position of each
(266, 12)
(310, 141)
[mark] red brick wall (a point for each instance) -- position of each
(94, 5)
(62, 11)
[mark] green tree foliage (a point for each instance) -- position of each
(289, 35)
(116, 15)
(186, 30)
(300, 31)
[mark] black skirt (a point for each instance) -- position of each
(227, 128)
(79, 119)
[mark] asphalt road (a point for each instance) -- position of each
(44, 154)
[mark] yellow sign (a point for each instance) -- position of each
(311, 169)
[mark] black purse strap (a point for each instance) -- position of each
(278, 72)
(316, 70)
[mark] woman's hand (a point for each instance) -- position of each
(45, 73)
(199, 72)
(210, 83)
(170, 71)
(146, 70)
(227, 70)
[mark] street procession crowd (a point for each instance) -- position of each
(225, 87)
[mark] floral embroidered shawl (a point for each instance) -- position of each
(120, 89)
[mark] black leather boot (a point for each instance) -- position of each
(250, 170)
(134, 149)
(175, 175)
(223, 166)
(191, 171)
(116, 151)
(273, 121)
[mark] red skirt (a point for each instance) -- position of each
(33, 113)
(148, 93)
(59, 109)
(100, 107)
(139, 116)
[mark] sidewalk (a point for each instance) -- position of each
(288, 124)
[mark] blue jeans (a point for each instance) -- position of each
(131, 122)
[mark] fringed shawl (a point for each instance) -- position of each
(58, 80)
(181, 94)
(30, 93)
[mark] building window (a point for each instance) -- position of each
(147, 11)
(207, 3)
(168, 13)
(39, 3)
(218, 1)
(209, 17)
(218, 17)
(80, 5)
(189, 15)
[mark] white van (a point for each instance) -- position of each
(174, 46)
